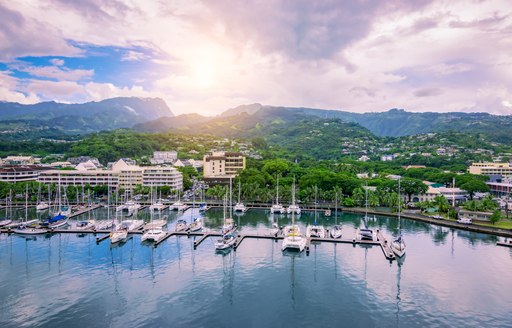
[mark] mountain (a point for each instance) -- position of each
(88, 117)
(398, 122)
(168, 123)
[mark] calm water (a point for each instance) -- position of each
(449, 278)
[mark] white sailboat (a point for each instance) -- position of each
(197, 223)
(293, 239)
(155, 233)
(315, 230)
(335, 231)
(41, 205)
(239, 206)
(228, 239)
(119, 233)
(157, 204)
(398, 245)
(6, 219)
(25, 229)
(365, 233)
(106, 224)
(88, 224)
(277, 208)
(293, 208)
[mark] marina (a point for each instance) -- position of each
(183, 267)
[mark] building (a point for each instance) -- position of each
(19, 160)
(129, 175)
(456, 195)
(500, 188)
(21, 173)
(386, 158)
(84, 159)
(490, 168)
(220, 167)
(162, 176)
(80, 178)
(164, 157)
(121, 176)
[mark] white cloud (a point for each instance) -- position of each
(219, 54)
(59, 73)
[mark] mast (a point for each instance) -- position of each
(293, 226)
(239, 190)
(26, 202)
(293, 194)
(316, 201)
(230, 197)
(277, 190)
(399, 210)
(336, 207)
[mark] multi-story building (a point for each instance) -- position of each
(129, 175)
(121, 176)
(500, 188)
(220, 167)
(162, 176)
(455, 195)
(19, 160)
(80, 178)
(164, 157)
(21, 173)
(490, 168)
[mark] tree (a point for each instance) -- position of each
(442, 203)
(411, 187)
(474, 185)
(495, 217)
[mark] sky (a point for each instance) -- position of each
(208, 56)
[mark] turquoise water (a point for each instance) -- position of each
(449, 278)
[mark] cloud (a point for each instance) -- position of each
(213, 55)
(59, 73)
(57, 62)
(427, 92)
(21, 36)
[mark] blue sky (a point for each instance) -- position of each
(208, 56)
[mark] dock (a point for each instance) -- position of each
(509, 244)
(380, 240)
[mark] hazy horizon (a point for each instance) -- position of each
(209, 56)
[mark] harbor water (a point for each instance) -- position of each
(448, 278)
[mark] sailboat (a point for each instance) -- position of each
(25, 229)
(336, 229)
(87, 224)
(398, 245)
(365, 233)
(119, 233)
(155, 233)
(6, 220)
(61, 214)
(158, 204)
(315, 230)
(277, 208)
(106, 224)
(228, 239)
(41, 205)
(239, 206)
(293, 239)
(197, 223)
(293, 208)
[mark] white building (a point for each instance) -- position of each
(20, 173)
(162, 176)
(490, 168)
(121, 176)
(19, 160)
(455, 195)
(219, 167)
(164, 157)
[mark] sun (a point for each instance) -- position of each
(204, 74)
